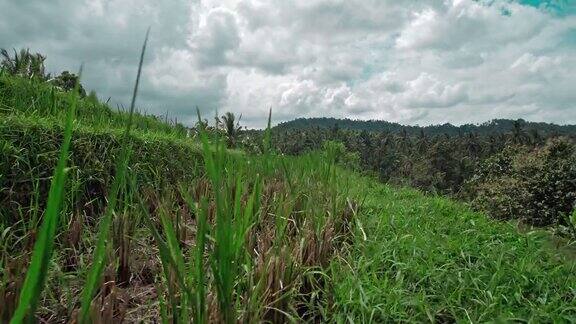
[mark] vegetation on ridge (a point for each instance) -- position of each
(493, 127)
(429, 259)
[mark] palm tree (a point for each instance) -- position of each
(24, 64)
(230, 126)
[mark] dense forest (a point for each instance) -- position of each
(493, 127)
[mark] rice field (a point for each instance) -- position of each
(120, 217)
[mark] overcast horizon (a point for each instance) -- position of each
(410, 62)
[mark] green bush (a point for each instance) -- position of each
(537, 186)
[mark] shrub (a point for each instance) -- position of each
(537, 186)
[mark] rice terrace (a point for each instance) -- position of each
(323, 161)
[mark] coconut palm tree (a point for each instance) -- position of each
(24, 64)
(230, 126)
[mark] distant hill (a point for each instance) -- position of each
(496, 126)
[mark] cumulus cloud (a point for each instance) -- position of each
(410, 61)
(427, 92)
(216, 39)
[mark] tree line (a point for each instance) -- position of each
(495, 126)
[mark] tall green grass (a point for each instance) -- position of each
(258, 253)
(43, 248)
(256, 240)
(44, 245)
(429, 259)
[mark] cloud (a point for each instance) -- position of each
(216, 39)
(427, 92)
(469, 24)
(410, 61)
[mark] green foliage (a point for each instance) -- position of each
(520, 175)
(230, 126)
(44, 245)
(66, 81)
(32, 145)
(24, 64)
(438, 163)
(24, 98)
(336, 151)
(535, 185)
(428, 259)
(493, 127)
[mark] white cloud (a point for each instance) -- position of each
(428, 92)
(538, 65)
(216, 38)
(408, 61)
(472, 25)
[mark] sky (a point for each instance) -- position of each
(411, 61)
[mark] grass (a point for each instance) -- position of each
(154, 226)
(44, 245)
(429, 259)
(40, 101)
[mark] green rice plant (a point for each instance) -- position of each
(185, 305)
(222, 265)
(97, 268)
(268, 143)
(199, 276)
(233, 221)
(44, 245)
(171, 268)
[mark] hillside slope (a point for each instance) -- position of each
(429, 259)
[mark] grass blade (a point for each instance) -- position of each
(97, 268)
(199, 262)
(166, 259)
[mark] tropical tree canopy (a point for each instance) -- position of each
(24, 64)
(230, 126)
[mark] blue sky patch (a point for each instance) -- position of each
(561, 7)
